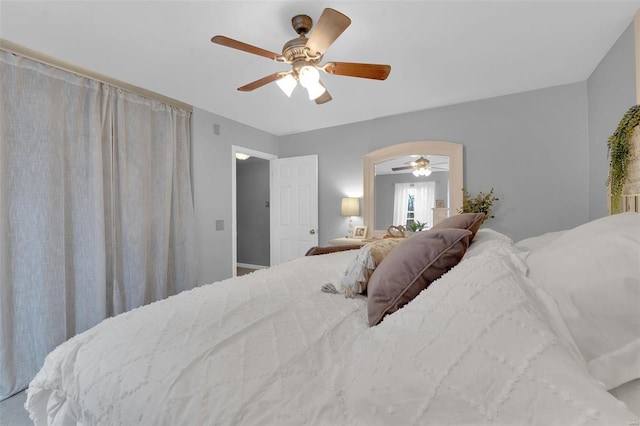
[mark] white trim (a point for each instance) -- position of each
(234, 225)
(251, 266)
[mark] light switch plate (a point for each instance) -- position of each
(219, 225)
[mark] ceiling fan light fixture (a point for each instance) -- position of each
(305, 54)
(421, 172)
(315, 91)
(308, 76)
(287, 84)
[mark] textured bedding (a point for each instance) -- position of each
(481, 345)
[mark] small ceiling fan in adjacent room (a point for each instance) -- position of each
(421, 167)
(305, 54)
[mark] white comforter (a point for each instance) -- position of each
(481, 345)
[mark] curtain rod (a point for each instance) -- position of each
(16, 49)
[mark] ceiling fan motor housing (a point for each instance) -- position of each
(294, 49)
(302, 24)
(295, 52)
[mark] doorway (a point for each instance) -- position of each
(250, 209)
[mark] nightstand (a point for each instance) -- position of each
(344, 241)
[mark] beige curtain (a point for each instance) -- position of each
(400, 203)
(153, 229)
(96, 211)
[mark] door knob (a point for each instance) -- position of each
(313, 231)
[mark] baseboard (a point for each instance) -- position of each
(250, 266)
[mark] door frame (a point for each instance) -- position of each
(234, 220)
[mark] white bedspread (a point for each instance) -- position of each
(270, 349)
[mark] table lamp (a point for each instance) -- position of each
(350, 207)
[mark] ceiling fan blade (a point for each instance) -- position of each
(325, 97)
(235, 44)
(329, 27)
(353, 69)
(261, 82)
(396, 169)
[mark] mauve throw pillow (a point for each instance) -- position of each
(411, 267)
(470, 221)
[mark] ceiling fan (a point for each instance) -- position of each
(304, 55)
(420, 167)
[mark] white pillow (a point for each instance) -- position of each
(593, 272)
(538, 242)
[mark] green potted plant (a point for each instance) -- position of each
(416, 226)
(619, 151)
(481, 203)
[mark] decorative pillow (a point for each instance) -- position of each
(593, 272)
(411, 267)
(470, 221)
(358, 272)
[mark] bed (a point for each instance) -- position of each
(489, 341)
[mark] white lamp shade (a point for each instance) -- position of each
(350, 207)
(308, 76)
(310, 79)
(315, 91)
(287, 84)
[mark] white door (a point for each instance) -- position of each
(294, 207)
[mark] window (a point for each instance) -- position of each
(413, 202)
(410, 209)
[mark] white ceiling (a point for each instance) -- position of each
(441, 52)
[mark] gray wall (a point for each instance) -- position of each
(611, 91)
(531, 147)
(252, 187)
(543, 151)
(212, 186)
(385, 193)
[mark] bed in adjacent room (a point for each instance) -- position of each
(501, 337)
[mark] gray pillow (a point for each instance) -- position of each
(470, 221)
(411, 267)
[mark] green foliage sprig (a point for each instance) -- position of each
(481, 203)
(619, 153)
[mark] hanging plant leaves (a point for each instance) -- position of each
(619, 153)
